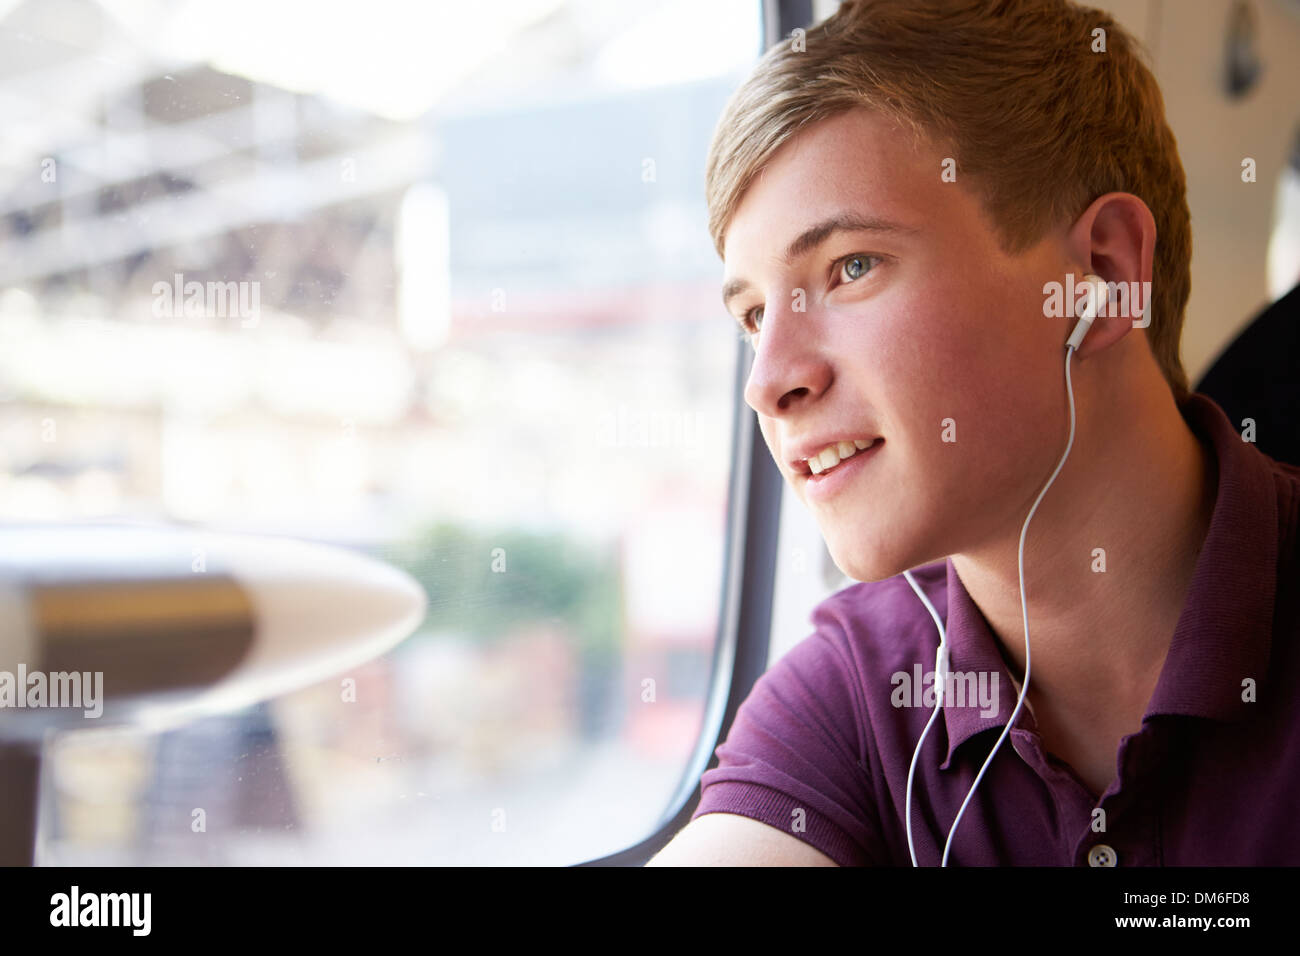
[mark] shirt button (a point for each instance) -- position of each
(1102, 855)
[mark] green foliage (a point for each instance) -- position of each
(487, 593)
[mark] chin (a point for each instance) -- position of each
(863, 567)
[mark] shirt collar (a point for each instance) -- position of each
(1224, 633)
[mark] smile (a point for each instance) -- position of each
(828, 481)
(833, 454)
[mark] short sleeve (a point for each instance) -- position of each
(792, 758)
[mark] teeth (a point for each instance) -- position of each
(832, 455)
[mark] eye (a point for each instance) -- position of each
(856, 266)
(851, 268)
(750, 323)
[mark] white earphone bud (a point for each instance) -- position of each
(1096, 289)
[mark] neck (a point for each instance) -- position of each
(1139, 486)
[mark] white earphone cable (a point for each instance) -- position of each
(941, 673)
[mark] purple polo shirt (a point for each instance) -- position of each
(821, 747)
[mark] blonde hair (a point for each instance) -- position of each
(1038, 122)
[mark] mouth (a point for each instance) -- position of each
(827, 474)
(830, 457)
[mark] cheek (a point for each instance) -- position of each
(1006, 428)
(958, 406)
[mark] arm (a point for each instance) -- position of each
(728, 839)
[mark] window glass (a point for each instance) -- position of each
(429, 281)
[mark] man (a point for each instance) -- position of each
(899, 206)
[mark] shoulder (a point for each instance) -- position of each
(806, 739)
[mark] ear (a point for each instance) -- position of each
(1116, 237)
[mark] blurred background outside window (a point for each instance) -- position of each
(431, 281)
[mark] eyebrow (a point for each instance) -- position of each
(815, 235)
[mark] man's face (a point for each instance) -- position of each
(919, 333)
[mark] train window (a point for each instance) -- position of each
(429, 281)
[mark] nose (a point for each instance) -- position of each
(790, 366)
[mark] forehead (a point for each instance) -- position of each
(859, 161)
